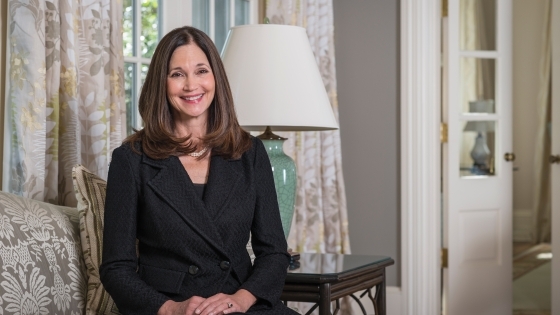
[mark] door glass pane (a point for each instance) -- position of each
(128, 35)
(241, 12)
(222, 23)
(149, 35)
(201, 15)
(129, 97)
(478, 24)
(478, 85)
(478, 147)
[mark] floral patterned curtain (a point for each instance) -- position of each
(320, 221)
(65, 103)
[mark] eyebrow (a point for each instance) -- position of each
(197, 65)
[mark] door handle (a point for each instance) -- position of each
(510, 157)
(555, 159)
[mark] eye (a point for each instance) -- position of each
(203, 71)
(175, 74)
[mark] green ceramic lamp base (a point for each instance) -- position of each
(284, 171)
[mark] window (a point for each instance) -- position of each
(145, 21)
(215, 17)
(140, 37)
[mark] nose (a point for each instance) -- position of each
(188, 85)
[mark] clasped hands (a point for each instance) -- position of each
(219, 304)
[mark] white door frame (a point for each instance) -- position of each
(420, 156)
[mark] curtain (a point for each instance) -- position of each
(3, 28)
(541, 193)
(65, 103)
(320, 223)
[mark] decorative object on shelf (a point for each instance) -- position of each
(276, 85)
(480, 152)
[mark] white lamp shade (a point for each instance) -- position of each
(275, 80)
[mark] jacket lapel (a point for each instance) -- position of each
(174, 186)
(224, 175)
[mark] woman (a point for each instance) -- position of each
(189, 188)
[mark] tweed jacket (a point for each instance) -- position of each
(187, 245)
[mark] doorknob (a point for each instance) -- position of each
(509, 157)
(555, 159)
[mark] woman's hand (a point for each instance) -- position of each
(221, 303)
(187, 307)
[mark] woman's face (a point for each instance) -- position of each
(190, 83)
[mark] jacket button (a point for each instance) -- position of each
(193, 270)
(224, 265)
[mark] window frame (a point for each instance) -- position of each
(137, 60)
(172, 17)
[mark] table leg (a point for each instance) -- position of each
(381, 296)
(359, 303)
(371, 298)
(325, 299)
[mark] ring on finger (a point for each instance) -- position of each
(230, 305)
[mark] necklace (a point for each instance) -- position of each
(199, 153)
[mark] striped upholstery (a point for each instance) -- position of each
(90, 193)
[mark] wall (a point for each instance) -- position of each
(528, 17)
(367, 66)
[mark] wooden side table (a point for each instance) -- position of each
(322, 278)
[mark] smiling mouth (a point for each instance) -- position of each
(192, 98)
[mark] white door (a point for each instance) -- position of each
(478, 167)
(555, 168)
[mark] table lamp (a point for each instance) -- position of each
(277, 86)
(480, 151)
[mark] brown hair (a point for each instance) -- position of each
(223, 134)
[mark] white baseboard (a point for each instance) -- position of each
(394, 302)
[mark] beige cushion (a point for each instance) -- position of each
(42, 270)
(90, 193)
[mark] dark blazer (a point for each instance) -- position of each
(187, 245)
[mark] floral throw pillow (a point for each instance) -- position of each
(90, 193)
(41, 258)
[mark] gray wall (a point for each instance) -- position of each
(367, 65)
